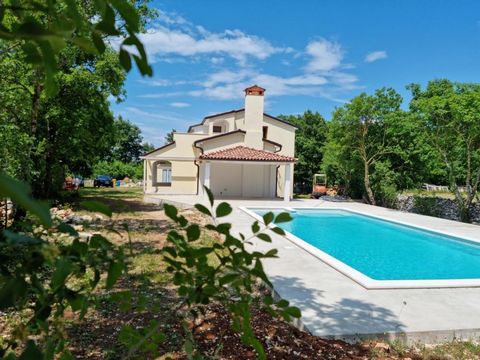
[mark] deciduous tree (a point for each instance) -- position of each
(127, 141)
(360, 133)
(449, 114)
(309, 140)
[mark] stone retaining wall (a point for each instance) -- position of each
(435, 206)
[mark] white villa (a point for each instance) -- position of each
(241, 153)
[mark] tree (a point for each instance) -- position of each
(361, 133)
(118, 169)
(169, 136)
(45, 49)
(147, 147)
(66, 132)
(309, 140)
(341, 167)
(449, 114)
(43, 29)
(128, 139)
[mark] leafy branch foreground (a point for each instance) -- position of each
(47, 269)
(232, 281)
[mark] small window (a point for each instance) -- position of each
(265, 132)
(162, 174)
(166, 176)
(217, 129)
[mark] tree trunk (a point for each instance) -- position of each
(35, 114)
(49, 158)
(37, 92)
(467, 203)
(463, 204)
(368, 189)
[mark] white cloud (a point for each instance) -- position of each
(342, 78)
(152, 134)
(375, 55)
(278, 86)
(221, 92)
(325, 55)
(229, 85)
(226, 76)
(162, 40)
(164, 82)
(320, 67)
(162, 95)
(217, 60)
(171, 18)
(180, 104)
(155, 125)
(151, 82)
(133, 113)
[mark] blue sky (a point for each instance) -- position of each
(307, 54)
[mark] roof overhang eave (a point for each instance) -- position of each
(256, 162)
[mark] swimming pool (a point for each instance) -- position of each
(383, 254)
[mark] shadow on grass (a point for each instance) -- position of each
(127, 200)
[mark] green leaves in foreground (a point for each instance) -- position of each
(49, 272)
(223, 209)
(268, 219)
(43, 31)
(223, 270)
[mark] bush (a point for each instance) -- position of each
(426, 205)
(383, 185)
(387, 196)
(118, 169)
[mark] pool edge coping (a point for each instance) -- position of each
(357, 276)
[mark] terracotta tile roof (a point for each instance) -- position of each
(255, 87)
(243, 153)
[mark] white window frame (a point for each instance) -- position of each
(163, 173)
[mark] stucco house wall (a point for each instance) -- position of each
(243, 127)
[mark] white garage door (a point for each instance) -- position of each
(226, 180)
(243, 180)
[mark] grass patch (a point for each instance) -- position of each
(458, 350)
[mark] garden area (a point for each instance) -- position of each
(145, 295)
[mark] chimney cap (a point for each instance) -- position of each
(255, 90)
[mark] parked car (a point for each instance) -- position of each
(103, 180)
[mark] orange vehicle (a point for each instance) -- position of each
(319, 187)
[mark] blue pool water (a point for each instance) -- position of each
(383, 250)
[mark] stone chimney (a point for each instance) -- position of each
(254, 96)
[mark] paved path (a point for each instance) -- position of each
(334, 305)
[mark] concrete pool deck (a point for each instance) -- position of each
(333, 305)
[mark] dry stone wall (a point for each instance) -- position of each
(435, 206)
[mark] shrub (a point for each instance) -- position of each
(383, 185)
(426, 205)
(118, 169)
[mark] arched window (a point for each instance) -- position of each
(162, 173)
